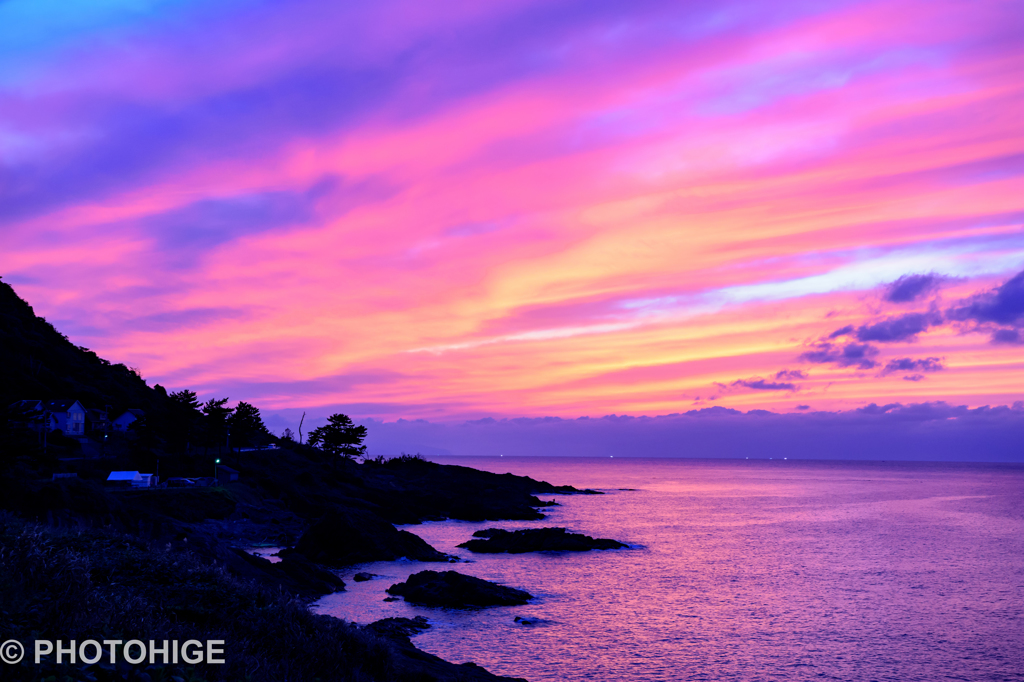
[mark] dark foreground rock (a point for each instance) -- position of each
(454, 590)
(354, 536)
(497, 541)
(112, 584)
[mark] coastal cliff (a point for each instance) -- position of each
(80, 560)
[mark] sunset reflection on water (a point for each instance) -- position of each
(745, 570)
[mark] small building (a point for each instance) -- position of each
(123, 479)
(226, 473)
(30, 414)
(27, 406)
(97, 420)
(126, 419)
(131, 479)
(69, 416)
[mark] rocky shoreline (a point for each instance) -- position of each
(328, 513)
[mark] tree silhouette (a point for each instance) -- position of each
(339, 437)
(217, 414)
(247, 426)
(183, 417)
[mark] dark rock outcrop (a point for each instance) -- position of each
(354, 536)
(411, 490)
(398, 627)
(497, 541)
(454, 590)
(362, 577)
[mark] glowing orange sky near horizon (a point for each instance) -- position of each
(635, 210)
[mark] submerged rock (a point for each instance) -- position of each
(362, 577)
(536, 540)
(454, 590)
(354, 536)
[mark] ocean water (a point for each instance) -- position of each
(743, 570)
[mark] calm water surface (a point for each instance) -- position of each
(744, 570)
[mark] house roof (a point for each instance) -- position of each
(61, 405)
(26, 405)
(123, 476)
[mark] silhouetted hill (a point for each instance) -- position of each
(40, 363)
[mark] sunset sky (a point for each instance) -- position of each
(452, 210)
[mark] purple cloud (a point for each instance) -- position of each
(1007, 336)
(764, 385)
(851, 355)
(900, 328)
(1002, 306)
(931, 364)
(783, 381)
(910, 288)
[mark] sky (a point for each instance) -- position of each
(457, 210)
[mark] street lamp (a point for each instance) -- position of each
(215, 463)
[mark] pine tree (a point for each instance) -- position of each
(339, 437)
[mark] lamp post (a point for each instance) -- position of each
(215, 463)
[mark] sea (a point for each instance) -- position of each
(741, 570)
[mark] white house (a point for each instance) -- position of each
(69, 416)
(132, 478)
(126, 419)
